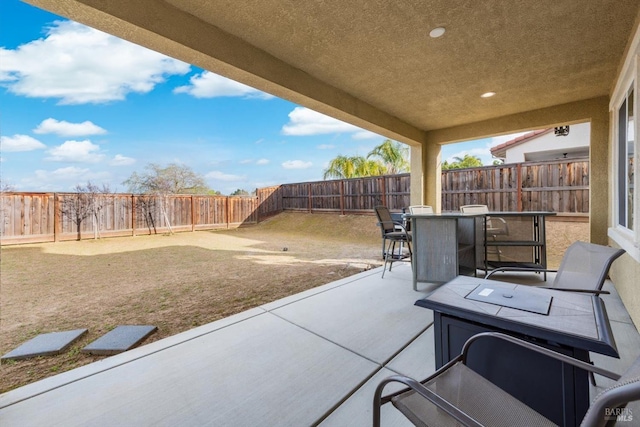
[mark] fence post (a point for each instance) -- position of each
(258, 205)
(56, 218)
(342, 197)
(133, 215)
(193, 214)
(309, 194)
(519, 185)
(228, 212)
(383, 186)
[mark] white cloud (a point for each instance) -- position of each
(81, 65)
(246, 161)
(120, 160)
(303, 122)
(296, 164)
(365, 134)
(211, 85)
(221, 176)
(70, 172)
(64, 128)
(77, 152)
(325, 147)
(20, 143)
(62, 179)
(262, 162)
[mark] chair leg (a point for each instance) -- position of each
(386, 259)
(393, 254)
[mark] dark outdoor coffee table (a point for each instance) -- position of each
(575, 325)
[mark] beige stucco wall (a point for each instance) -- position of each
(625, 271)
(625, 275)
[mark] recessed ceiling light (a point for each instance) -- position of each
(487, 95)
(437, 32)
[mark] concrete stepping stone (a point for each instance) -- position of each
(122, 338)
(46, 344)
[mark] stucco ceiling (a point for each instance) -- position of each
(372, 62)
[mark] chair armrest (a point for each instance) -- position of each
(586, 291)
(503, 227)
(524, 269)
(401, 225)
(553, 354)
(416, 386)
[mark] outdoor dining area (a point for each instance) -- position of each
(534, 355)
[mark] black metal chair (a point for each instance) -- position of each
(455, 395)
(393, 232)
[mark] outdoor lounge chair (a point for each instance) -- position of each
(584, 268)
(392, 232)
(456, 395)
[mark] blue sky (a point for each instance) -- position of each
(79, 105)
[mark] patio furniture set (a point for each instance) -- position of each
(508, 354)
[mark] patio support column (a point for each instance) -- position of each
(431, 172)
(417, 176)
(598, 179)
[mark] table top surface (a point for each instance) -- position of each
(574, 319)
(460, 214)
(444, 215)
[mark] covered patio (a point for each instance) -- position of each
(313, 358)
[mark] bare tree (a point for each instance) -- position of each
(85, 202)
(163, 181)
(147, 205)
(97, 201)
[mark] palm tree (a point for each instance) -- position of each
(343, 167)
(393, 155)
(468, 161)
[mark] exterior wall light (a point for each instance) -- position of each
(561, 130)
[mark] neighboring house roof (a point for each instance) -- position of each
(500, 151)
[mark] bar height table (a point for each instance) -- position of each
(445, 245)
(526, 240)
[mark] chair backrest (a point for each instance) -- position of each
(478, 209)
(420, 209)
(473, 209)
(384, 219)
(609, 405)
(585, 266)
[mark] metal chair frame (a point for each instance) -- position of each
(613, 397)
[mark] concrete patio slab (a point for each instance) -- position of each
(417, 360)
(121, 338)
(240, 375)
(380, 314)
(320, 289)
(361, 403)
(46, 344)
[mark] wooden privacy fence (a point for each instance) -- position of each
(48, 217)
(347, 196)
(560, 186)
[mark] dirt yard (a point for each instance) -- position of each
(180, 281)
